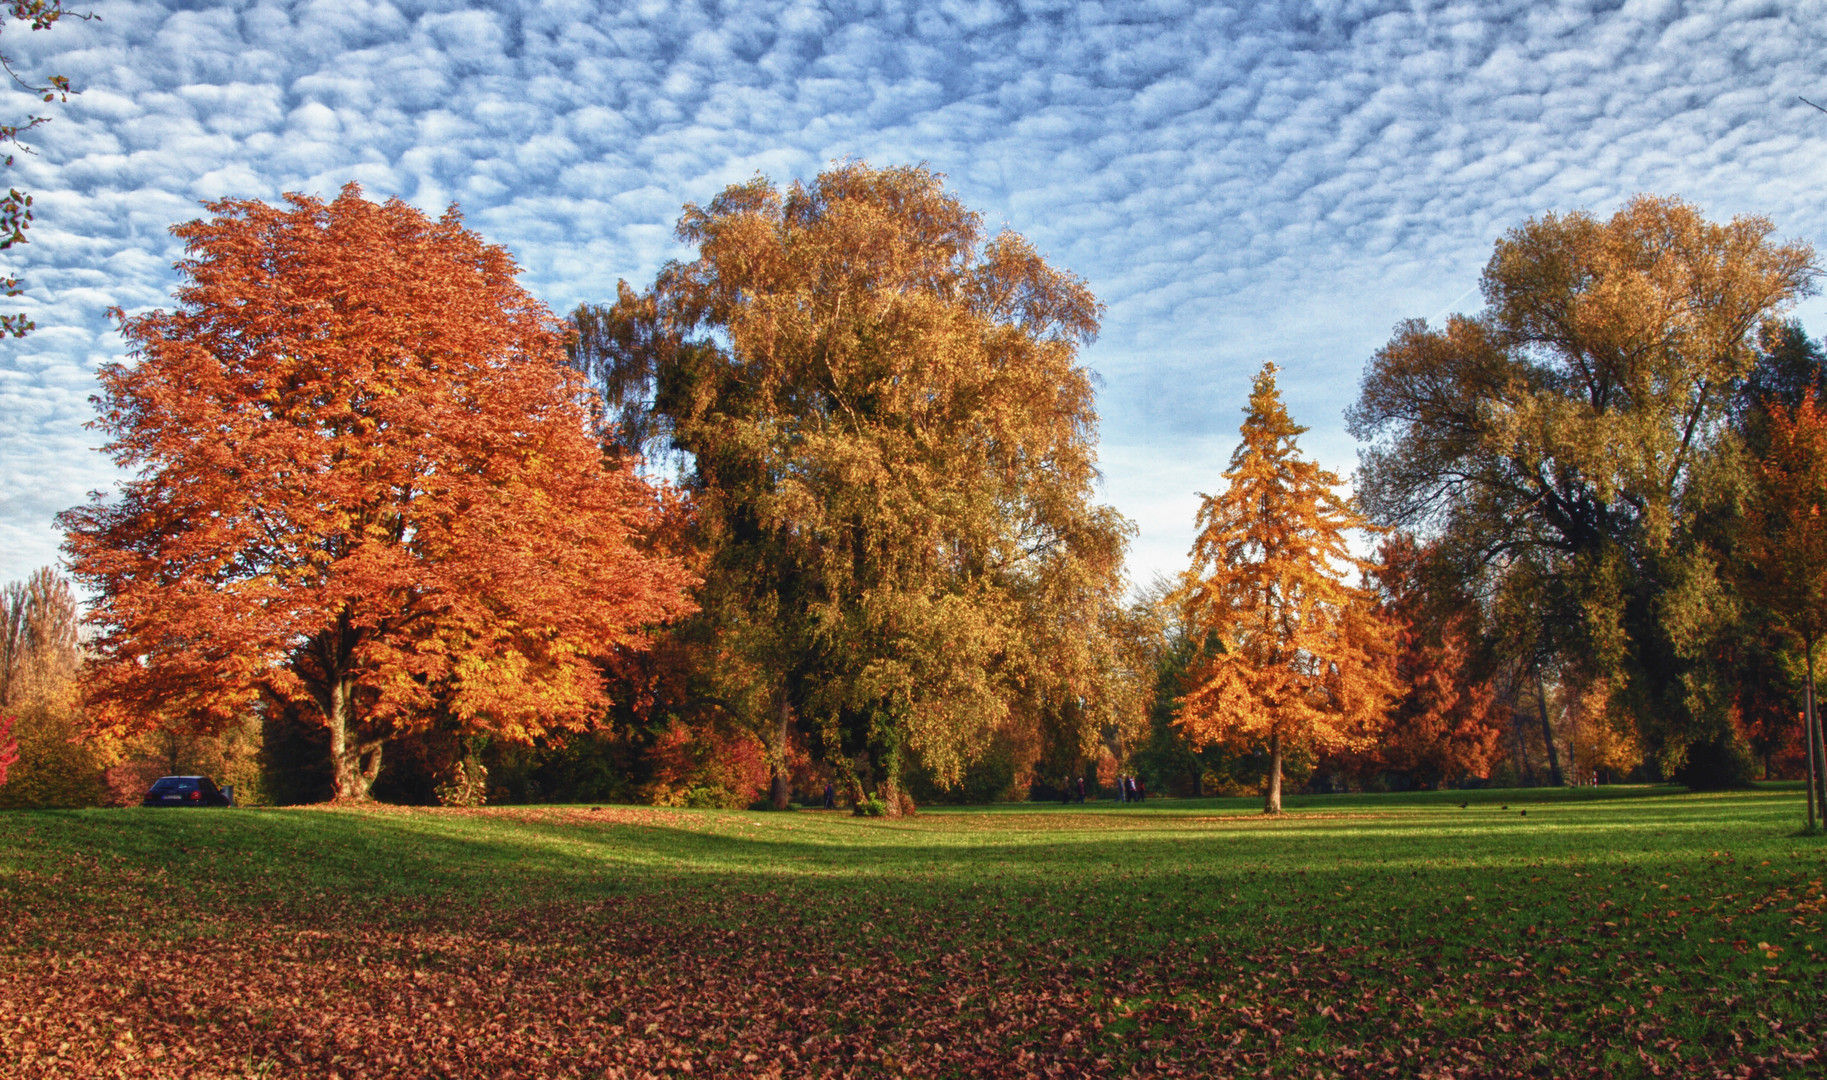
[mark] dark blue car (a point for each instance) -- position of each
(188, 791)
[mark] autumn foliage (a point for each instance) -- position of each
(1442, 725)
(1561, 444)
(363, 481)
(9, 747)
(1293, 652)
(1784, 553)
(889, 441)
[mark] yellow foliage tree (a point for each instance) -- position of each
(890, 445)
(39, 656)
(1291, 653)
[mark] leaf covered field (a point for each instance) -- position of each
(1612, 932)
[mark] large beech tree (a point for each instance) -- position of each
(364, 481)
(1559, 444)
(888, 438)
(1292, 654)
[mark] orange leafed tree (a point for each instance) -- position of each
(1784, 556)
(1292, 654)
(364, 482)
(1442, 724)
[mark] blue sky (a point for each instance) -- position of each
(1263, 181)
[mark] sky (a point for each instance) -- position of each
(1238, 183)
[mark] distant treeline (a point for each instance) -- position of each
(816, 510)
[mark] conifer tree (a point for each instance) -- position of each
(1290, 654)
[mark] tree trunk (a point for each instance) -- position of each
(1272, 801)
(780, 785)
(1820, 770)
(895, 800)
(1554, 756)
(1817, 757)
(353, 765)
(1808, 728)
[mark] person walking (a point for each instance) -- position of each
(1081, 789)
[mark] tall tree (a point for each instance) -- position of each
(888, 438)
(1558, 440)
(1766, 669)
(39, 622)
(1783, 555)
(39, 658)
(1292, 651)
(366, 483)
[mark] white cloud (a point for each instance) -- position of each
(1273, 181)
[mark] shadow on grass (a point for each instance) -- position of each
(517, 857)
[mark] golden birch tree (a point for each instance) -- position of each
(1290, 655)
(888, 439)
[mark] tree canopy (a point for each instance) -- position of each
(364, 481)
(40, 653)
(1558, 441)
(889, 443)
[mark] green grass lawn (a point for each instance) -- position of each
(1616, 931)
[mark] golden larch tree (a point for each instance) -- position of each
(364, 482)
(1291, 653)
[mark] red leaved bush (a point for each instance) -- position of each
(707, 766)
(9, 746)
(1442, 725)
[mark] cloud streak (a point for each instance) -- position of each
(1258, 182)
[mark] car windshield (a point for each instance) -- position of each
(173, 783)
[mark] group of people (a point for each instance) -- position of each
(1128, 789)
